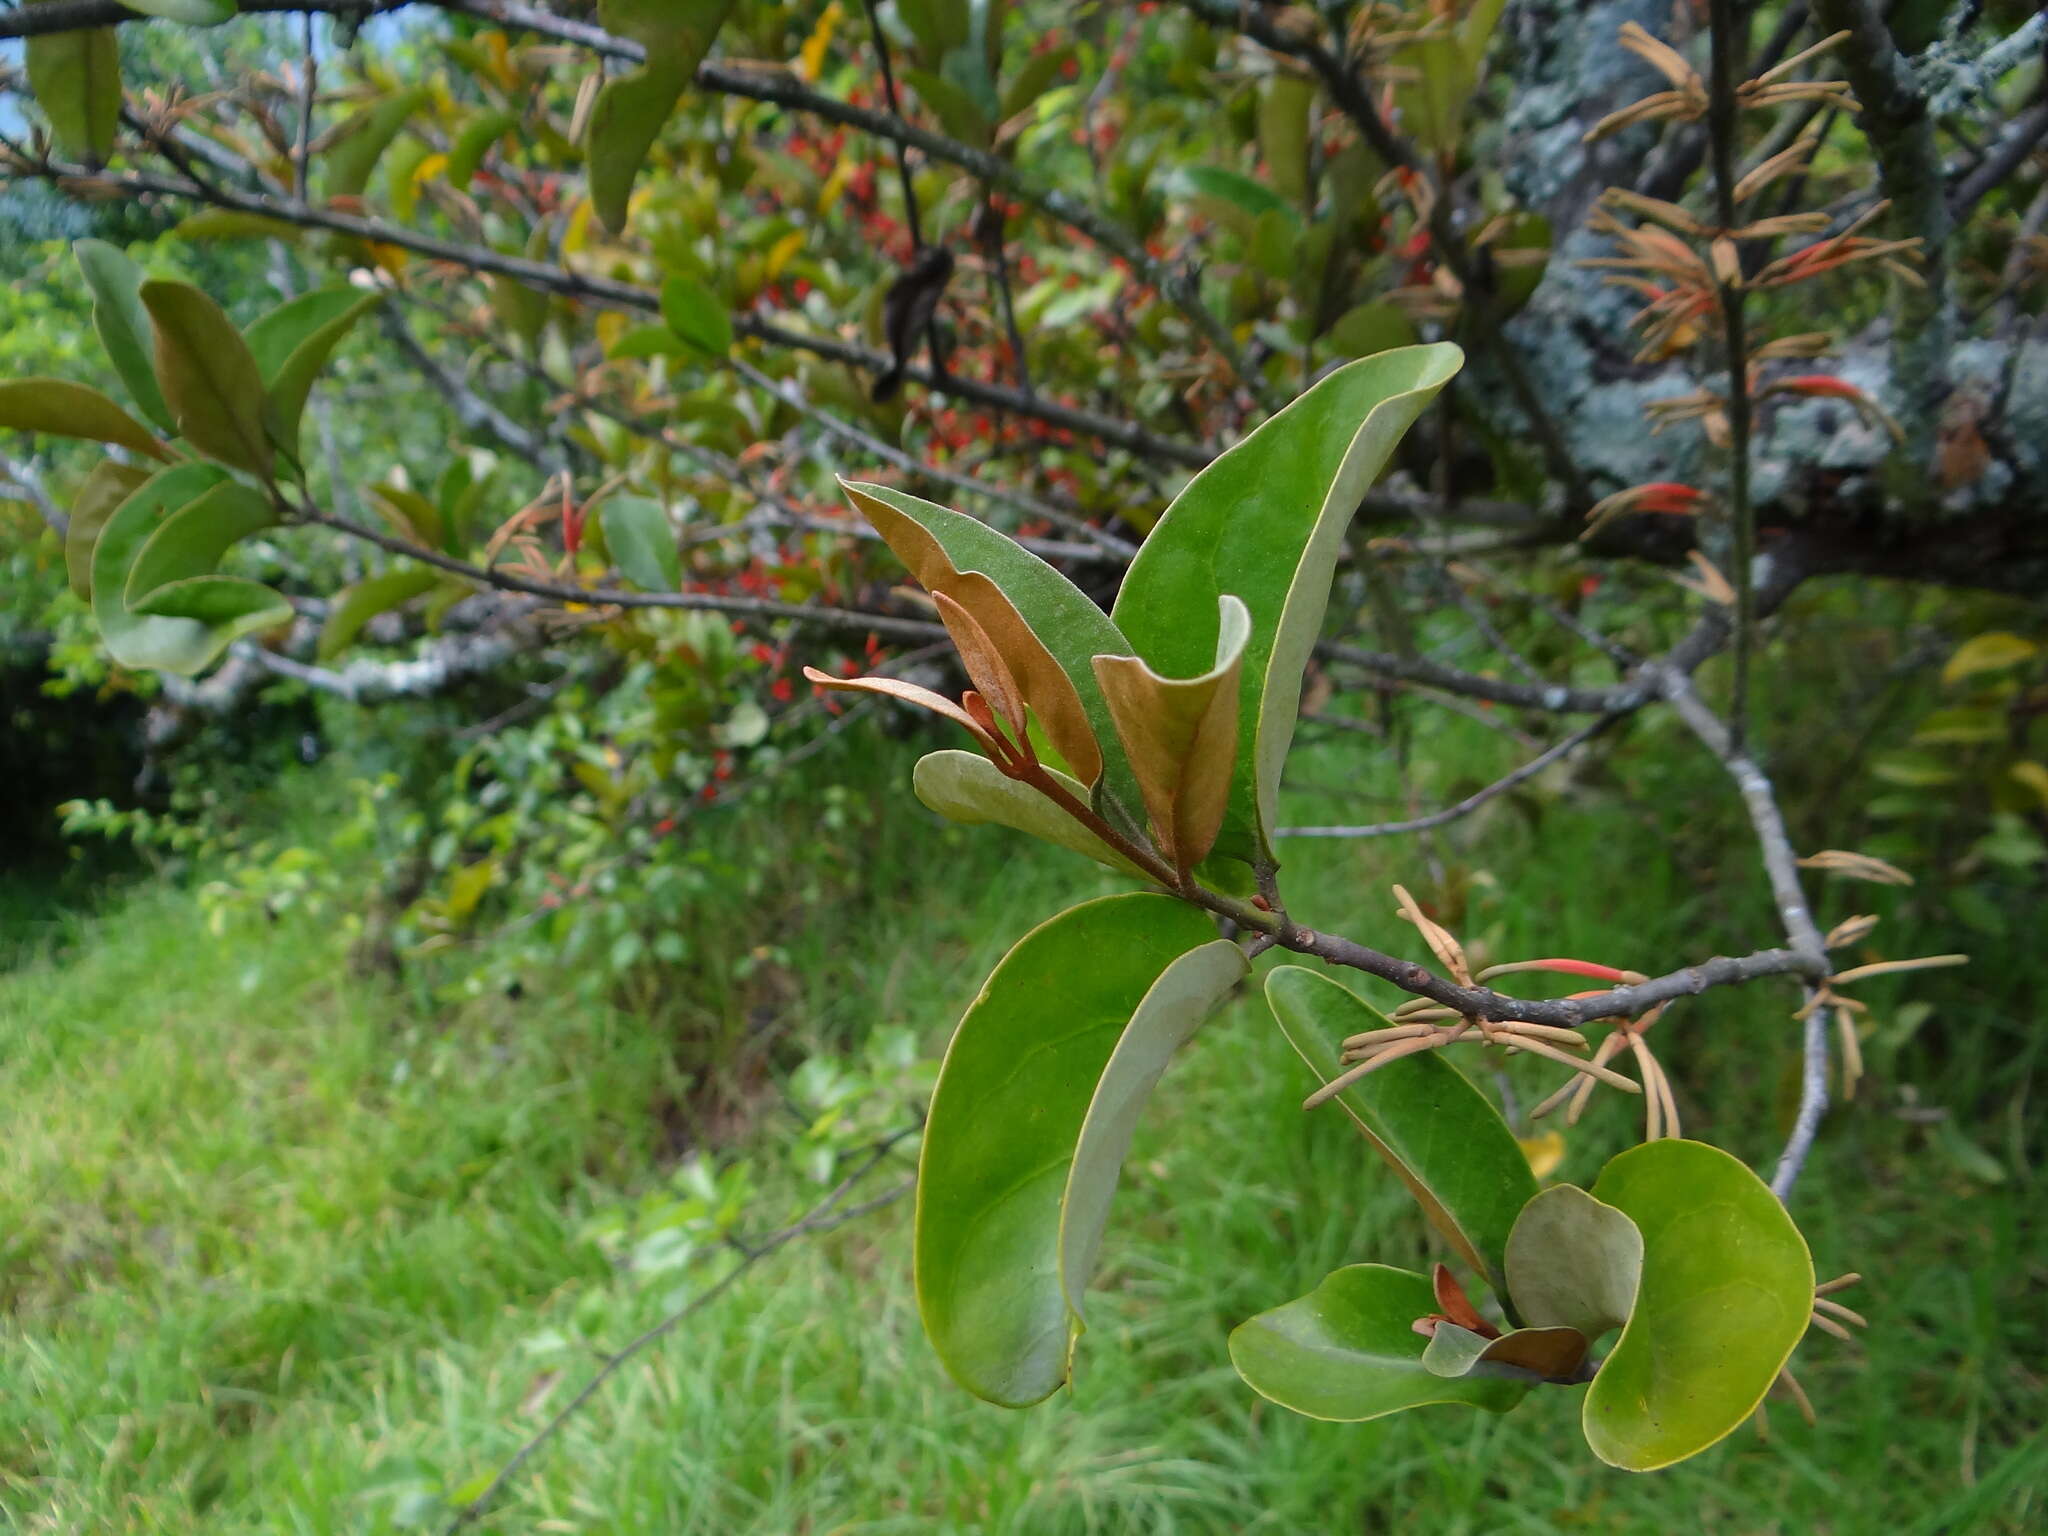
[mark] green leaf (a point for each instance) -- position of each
(940, 26)
(1573, 1262)
(229, 606)
(1181, 736)
(953, 106)
(122, 323)
(1726, 1292)
(1372, 328)
(196, 13)
(523, 310)
(76, 78)
(209, 379)
(1284, 102)
(134, 640)
(696, 314)
(283, 330)
(312, 332)
(474, 142)
(1990, 652)
(967, 788)
(1233, 198)
(191, 539)
(1030, 1120)
(64, 409)
(410, 514)
(651, 341)
(642, 542)
(234, 224)
(1438, 1132)
(629, 112)
(1265, 521)
(1349, 1351)
(362, 140)
(939, 545)
(355, 606)
(104, 489)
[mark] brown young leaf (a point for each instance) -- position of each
(984, 663)
(1044, 684)
(1181, 735)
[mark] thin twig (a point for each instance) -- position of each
(1471, 802)
(1730, 43)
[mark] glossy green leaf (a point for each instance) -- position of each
(76, 79)
(104, 489)
(349, 161)
(64, 409)
(229, 606)
(291, 379)
(209, 379)
(1181, 737)
(1186, 993)
(1439, 1133)
(643, 542)
(629, 112)
(122, 323)
(178, 645)
(1265, 521)
(1574, 1262)
(967, 788)
(355, 606)
(935, 543)
(1726, 1292)
(474, 142)
(696, 314)
(191, 539)
(1349, 1350)
(1004, 1199)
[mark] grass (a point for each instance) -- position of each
(279, 1253)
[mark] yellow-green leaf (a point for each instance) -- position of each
(629, 112)
(64, 409)
(361, 141)
(1990, 652)
(76, 78)
(1727, 1288)
(355, 606)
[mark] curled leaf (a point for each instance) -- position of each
(1181, 737)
